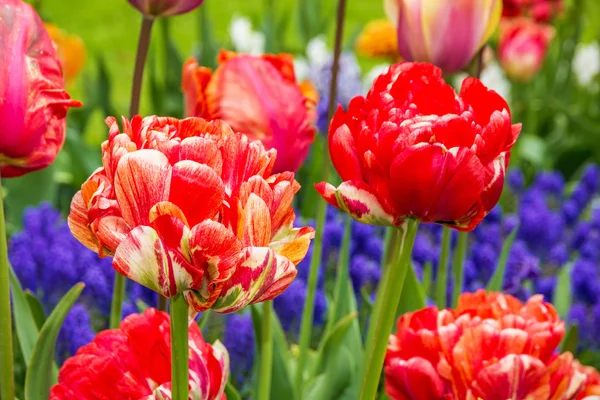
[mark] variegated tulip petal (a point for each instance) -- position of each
(197, 190)
(257, 267)
(285, 273)
(79, 224)
(144, 258)
(142, 179)
(110, 231)
(293, 243)
(222, 357)
(215, 249)
(257, 222)
(203, 151)
(197, 300)
(166, 219)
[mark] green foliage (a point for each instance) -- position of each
(496, 282)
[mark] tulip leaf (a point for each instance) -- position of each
(569, 342)
(563, 295)
(497, 281)
(333, 342)
(36, 309)
(209, 48)
(25, 323)
(413, 294)
(39, 376)
(231, 392)
(336, 378)
(427, 277)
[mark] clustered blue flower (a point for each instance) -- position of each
(48, 261)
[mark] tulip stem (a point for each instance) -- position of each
(441, 279)
(140, 63)
(179, 348)
(266, 353)
(388, 298)
(116, 307)
(162, 302)
(458, 265)
(309, 306)
(6, 345)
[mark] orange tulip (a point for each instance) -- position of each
(258, 96)
(70, 50)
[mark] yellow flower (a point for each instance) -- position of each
(70, 50)
(378, 39)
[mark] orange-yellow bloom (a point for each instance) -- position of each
(378, 39)
(70, 51)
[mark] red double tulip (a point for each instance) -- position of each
(540, 10)
(33, 101)
(413, 148)
(257, 96)
(523, 47)
(491, 347)
(133, 362)
(189, 206)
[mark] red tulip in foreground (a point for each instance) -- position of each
(33, 101)
(164, 8)
(413, 148)
(491, 347)
(133, 362)
(523, 47)
(257, 96)
(189, 206)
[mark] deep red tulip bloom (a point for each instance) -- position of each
(540, 10)
(164, 8)
(523, 47)
(134, 363)
(189, 206)
(413, 148)
(257, 96)
(492, 346)
(33, 101)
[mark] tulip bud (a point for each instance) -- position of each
(523, 47)
(165, 8)
(33, 102)
(445, 33)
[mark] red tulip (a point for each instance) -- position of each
(414, 149)
(133, 362)
(491, 347)
(523, 47)
(33, 102)
(165, 8)
(540, 10)
(258, 96)
(191, 207)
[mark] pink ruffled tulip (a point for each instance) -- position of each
(444, 33)
(164, 8)
(33, 102)
(523, 47)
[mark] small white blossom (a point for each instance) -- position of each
(317, 51)
(586, 63)
(244, 38)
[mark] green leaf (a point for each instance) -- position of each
(563, 296)
(39, 377)
(25, 325)
(231, 392)
(209, 48)
(413, 294)
(497, 281)
(570, 340)
(36, 309)
(332, 342)
(427, 277)
(336, 378)
(83, 159)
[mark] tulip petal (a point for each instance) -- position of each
(142, 179)
(144, 258)
(293, 244)
(79, 224)
(203, 151)
(257, 222)
(197, 190)
(344, 154)
(413, 379)
(110, 231)
(285, 273)
(256, 269)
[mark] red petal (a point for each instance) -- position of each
(142, 180)
(344, 154)
(257, 222)
(203, 151)
(79, 223)
(284, 276)
(327, 191)
(197, 190)
(413, 379)
(483, 101)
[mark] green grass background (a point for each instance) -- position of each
(110, 28)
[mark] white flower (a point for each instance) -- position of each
(317, 51)
(301, 68)
(586, 63)
(493, 77)
(370, 76)
(244, 38)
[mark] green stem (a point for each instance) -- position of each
(179, 348)
(6, 345)
(204, 320)
(458, 265)
(116, 306)
(386, 304)
(441, 280)
(162, 303)
(140, 63)
(266, 355)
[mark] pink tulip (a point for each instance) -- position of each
(523, 47)
(445, 33)
(33, 102)
(165, 8)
